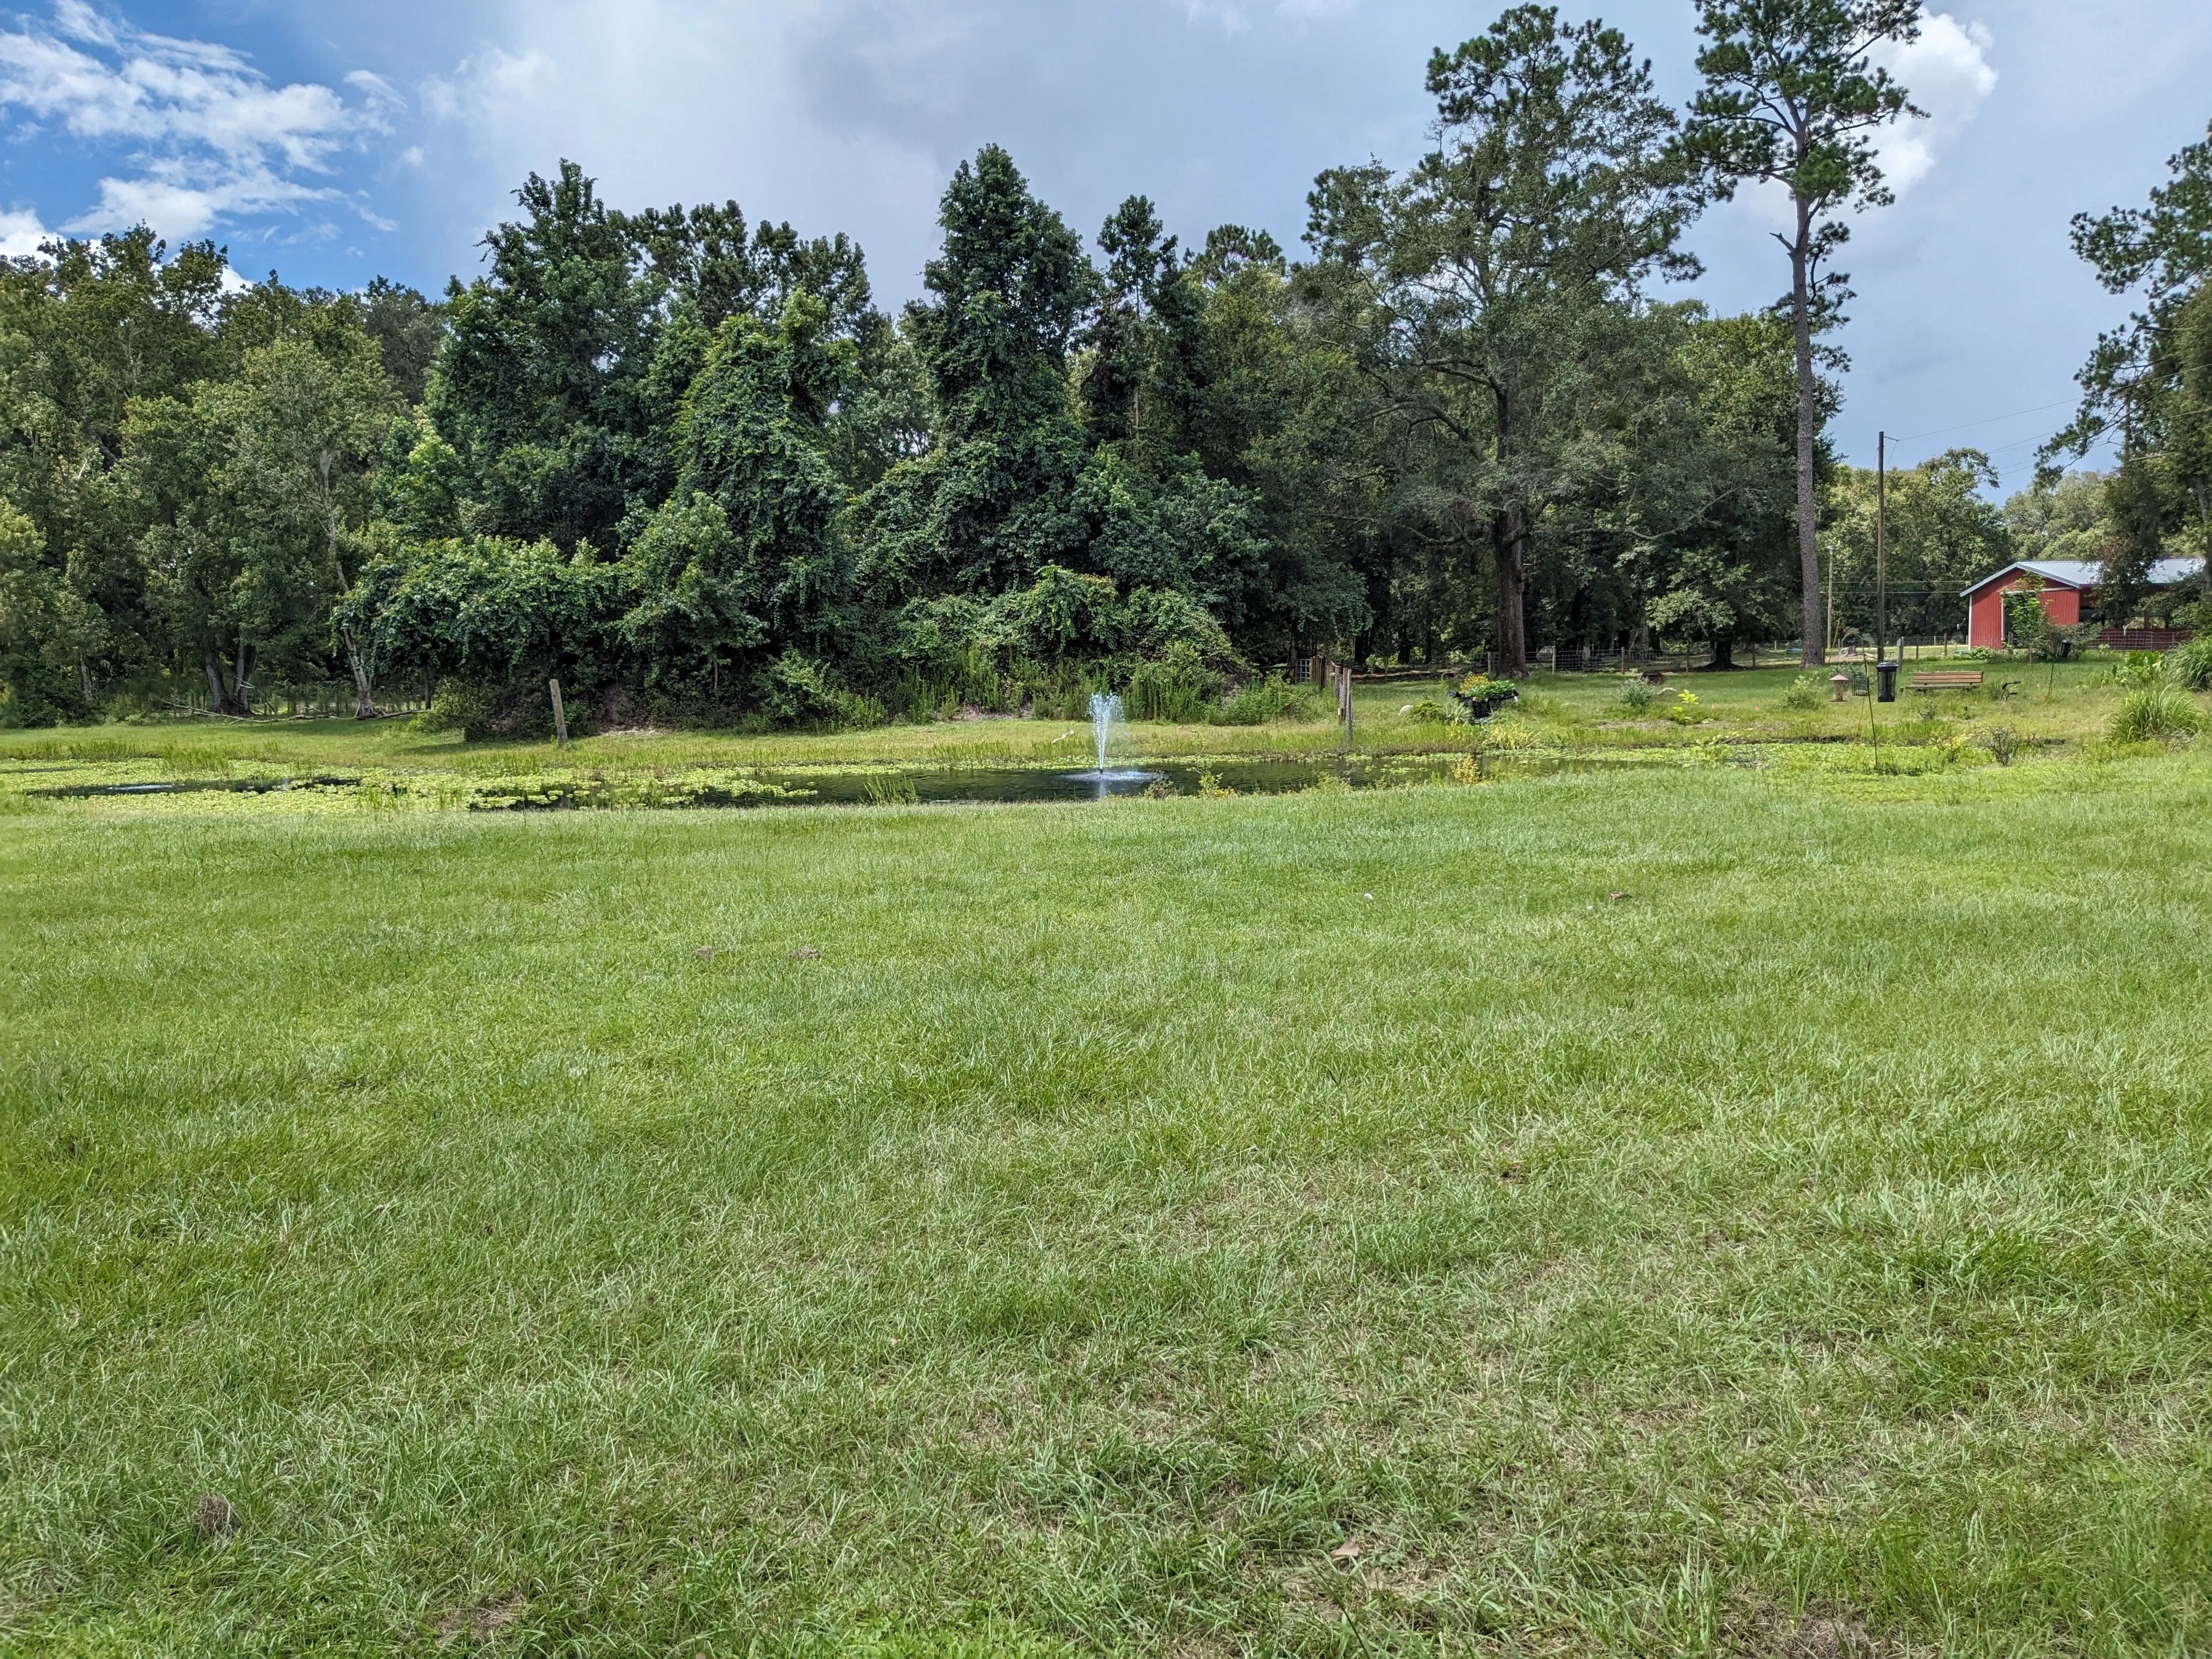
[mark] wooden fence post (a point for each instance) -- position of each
(560, 716)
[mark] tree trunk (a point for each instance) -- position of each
(364, 704)
(1509, 539)
(242, 695)
(2204, 539)
(1809, 419)
(218, 694)
(1723, 654)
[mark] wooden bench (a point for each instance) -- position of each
(1948, 679)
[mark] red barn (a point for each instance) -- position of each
(2070, 588)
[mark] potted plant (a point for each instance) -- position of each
(1481, 697)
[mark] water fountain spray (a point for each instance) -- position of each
(1105, 709)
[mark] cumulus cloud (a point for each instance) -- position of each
(852, 113)
(206, 137)
(677, 100)
(21, 232)
(1948, 73)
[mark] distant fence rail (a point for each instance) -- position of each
(2144, 638)
(301, 700)
(1686, 657)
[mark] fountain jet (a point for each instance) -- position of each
(1105, 709)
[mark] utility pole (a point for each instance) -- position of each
(1830, 612)
(1880, 546)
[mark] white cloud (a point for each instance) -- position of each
(207, 136)
(664, 100)
(490, 87)
(1948, 74)
(21, 232)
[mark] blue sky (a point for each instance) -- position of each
(334, 142)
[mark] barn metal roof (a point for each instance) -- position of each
(2087, 573)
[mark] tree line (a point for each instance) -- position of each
(687, 464)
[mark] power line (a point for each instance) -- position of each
(1914, 437)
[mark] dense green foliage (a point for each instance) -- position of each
(1944, 535)
(684, 464)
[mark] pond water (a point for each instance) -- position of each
(555, 790)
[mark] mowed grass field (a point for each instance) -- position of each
(1684, 1210)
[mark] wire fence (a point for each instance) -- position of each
(1684, 658)
(299, 699)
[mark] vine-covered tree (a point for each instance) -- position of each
(746, 557)
(540, 390)
(988, 505)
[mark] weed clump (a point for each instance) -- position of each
(1264, 701)
(2156, 714)
(2190, 666)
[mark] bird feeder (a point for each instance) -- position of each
(1842, 683)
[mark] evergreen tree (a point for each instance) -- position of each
(1791, 98)
(2150, 381)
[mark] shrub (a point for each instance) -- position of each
(2190, 665)
(454, 707)
(1806, 691)
(2004, 745)
(1686, 711)
(1638, 695)
(478, 709)
(2156, 714)
(1273, 698)
(796, 691)
(1430, 711)
(2142, 670)
(1179, 689)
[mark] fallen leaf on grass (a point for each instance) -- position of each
(1345, 1553)
(483, 1621)
(805, 953)
(214, 1517)
(1617, 896)
(704, 953)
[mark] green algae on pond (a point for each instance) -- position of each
(531, 787)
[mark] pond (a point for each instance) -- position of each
(555, 789)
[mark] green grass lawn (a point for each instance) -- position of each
(1690, 1210)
